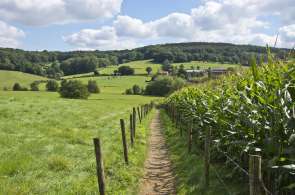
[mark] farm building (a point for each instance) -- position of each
(195, 73)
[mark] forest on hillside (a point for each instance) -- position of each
(54, 64)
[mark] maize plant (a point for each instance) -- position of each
(249, 112)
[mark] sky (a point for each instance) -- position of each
(125, 24)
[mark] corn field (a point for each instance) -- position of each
(250, 112)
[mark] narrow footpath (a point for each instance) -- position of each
(158, 178)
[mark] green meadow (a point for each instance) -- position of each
(8, 78)
(46, 141)
(140, 66)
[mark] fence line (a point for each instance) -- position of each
(142, 113)
(176, 118)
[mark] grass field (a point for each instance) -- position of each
(204, 65)
(8, 78)
(140, 66)
(116, 85)
(46, 141)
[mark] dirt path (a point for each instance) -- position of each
(158, 178)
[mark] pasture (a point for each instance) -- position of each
(46, 141)
(8, 78)
(140, 67)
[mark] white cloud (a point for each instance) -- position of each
(175, 25)
(104, 38)
(234, 21)
(131, 27)
(10, 35)
(45, 12)
(287, 35)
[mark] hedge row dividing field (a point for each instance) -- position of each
(249, 113)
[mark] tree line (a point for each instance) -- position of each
(54, 64)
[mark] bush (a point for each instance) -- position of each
(18, 87)
(148, 70)
(5, 88)
(125, 70)
(163, 86)
(52, 85)
(136, 90)
(96, 73)
(35, 86)
(129, 92)
(92, 87)
(73, 89)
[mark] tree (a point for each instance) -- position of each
(35, 86)
(73, 89)
(116, 72)
(126, 70)
(136, 90)
(92, 87)
(52, 85)
(148, 70)
(96, 73)
(80, 65)
(16, 87)
(166, 66)
(163, 86)
(129, 91)
(181, 71)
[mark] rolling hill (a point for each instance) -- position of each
(8, 78)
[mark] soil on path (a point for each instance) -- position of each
(158, 177)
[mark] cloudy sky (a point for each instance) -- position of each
(123, 24)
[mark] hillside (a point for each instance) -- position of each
(8, 78)
(55, 63)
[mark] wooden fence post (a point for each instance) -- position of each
(190, 138)
(142, 111)
(131, 130)
(255, 177)
(99, 166)
(134, 122)
(139, 117)
(124, 141)
(207, 157)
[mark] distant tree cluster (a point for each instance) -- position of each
(56, 64)
(125, 70)
(68, 89)
(18, 87)
(135, 90)
(164, 85)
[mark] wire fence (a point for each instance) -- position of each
(270, 180)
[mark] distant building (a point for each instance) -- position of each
(165, 73)
(219, 71)
(195, 73)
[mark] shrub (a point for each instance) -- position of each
(136, 90)
(163, 86)
(5, 88)
(129, 91)
(52, 85)
(96, 73)
(148, 70)
(18, 87)
(92, 87)
(125, 70)
(35, 86)
(73, 89)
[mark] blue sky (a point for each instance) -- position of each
(120, 24)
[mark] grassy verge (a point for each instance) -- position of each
(188, 168)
